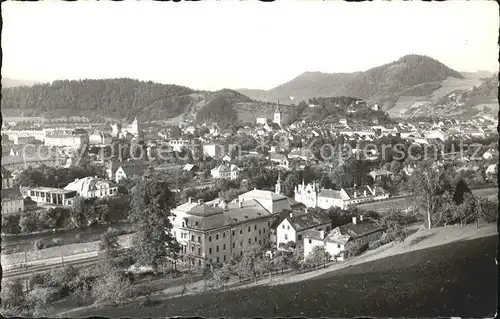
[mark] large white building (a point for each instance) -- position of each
(211, 234)
(89, 187)
(66, 140)
(311, 196)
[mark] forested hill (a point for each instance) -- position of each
(411, 72)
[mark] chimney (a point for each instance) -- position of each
(200, 201)
(360, 218)
(354, 220)
(190, 200)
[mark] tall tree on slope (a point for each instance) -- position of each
(153, 242)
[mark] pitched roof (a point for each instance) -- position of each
(331, 193)
(262, 194)
(11, 194)
(308, 220)
(361, 228)
(133, 169)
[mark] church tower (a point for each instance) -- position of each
(277, 114)
(278, 184)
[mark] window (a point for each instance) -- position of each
(249, 230)
(338, 246)
(287, 227)
(255, 227)
(241, 244)
(224, 257)
(224, 247)
(209, 238)
(310, 241)
(259, 242)
(210, 260)
(249, 240)
(328, 228)
(268, 224)
(300, 237)
(217, 249)
(234, 245)
(199, 262)
(192, 237)
(183, 224)
(286, 236)
(199, 239)
(255, 238)
(264, 230)
(233, 233)
(217, 237)
(192, 249)
(283, 226)
(224, 235)
(217, 259)
(241, 253)
(259, 231)
(210, 250)
(241, 231)
(199, 251)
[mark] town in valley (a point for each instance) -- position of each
(343, 194)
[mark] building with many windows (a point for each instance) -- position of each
(51, 196)
(226, 171)
(211, 234)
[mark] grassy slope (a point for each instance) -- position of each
(448, 280)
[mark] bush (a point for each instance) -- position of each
(38, 280)
(39, 244)
(111, 288)
(42, 296)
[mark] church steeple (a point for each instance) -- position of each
(278, 184)
(277, 114)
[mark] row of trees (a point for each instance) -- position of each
(446, 200)
(47, 176)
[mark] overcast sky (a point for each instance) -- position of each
(238, 44)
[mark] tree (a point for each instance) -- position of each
(427, 189)
(27, 223)
(291, 181)
(460, 190)
(109, 242)
(13, 295)
(153, 243)
(280, 262)
(111, 287)
(318, 256)
(395, 166)
(222, 275)
(249, 261)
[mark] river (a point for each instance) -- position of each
(20, 243)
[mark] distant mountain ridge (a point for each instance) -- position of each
(9, 82)
(400, 87)
(379, 82)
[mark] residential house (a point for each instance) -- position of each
(292, 228)
(279, 159)
(226, 171)
(130, 171)
(272, 202)
(90, 187)
(342, 238)
(379, 173)
(12, 200)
